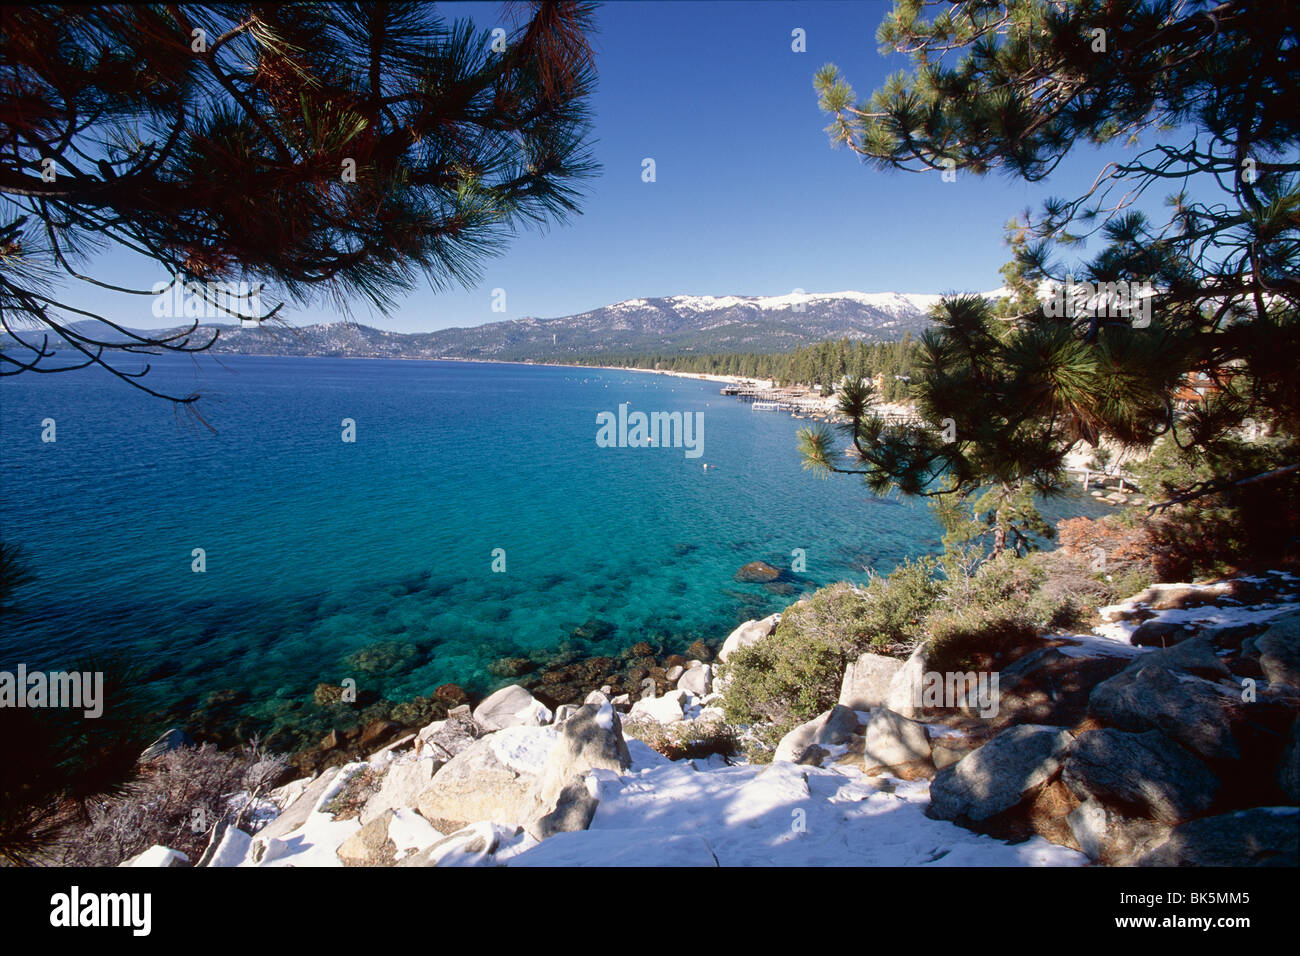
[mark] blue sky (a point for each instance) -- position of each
(750, 198)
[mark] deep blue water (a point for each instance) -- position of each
(317, 548)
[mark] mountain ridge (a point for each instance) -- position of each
(666, 325)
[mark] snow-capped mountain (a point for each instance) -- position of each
(699, 323)
(666, 325)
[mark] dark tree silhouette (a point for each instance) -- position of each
(328, 150)
(1204, 94)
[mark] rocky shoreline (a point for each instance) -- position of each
(336, 726)
(1169, 735)
(555, 679)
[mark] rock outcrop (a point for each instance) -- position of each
(480, 783)
(1147, 773)
(1111, 838)
(836, 726)
(1099, 751)
(895, 743)
(511, 706)
(1188, 709)
(867, 680)
(1263, 836)
(1279, 652)
(751, 632)
(998, 775)
(592, 739)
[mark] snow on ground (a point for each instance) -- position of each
(1105, 643)
(411, 832)
(706, 812)
(1208, 615)
(524, 749)
(694, 813)
(315, 842)
(780, 815)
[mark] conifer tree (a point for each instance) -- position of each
(1203, 95)
(333, 151)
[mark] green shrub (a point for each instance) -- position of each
(791, 676)
(1070, 591)
(795, 674)
(1133, 581)
(978, 637)
(1214, 534)
(688, 739)
(973, 580)
(759, 741)
(898, 604)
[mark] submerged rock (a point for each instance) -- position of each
(700, 651)
(383, 657)
(512, 667)
(327, 695)
(451, 695)
(757, 572)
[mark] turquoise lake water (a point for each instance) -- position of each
(316, 548)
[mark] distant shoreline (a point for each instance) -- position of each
(825, 407)
(725, 379)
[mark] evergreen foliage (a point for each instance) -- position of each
(1204, 93)
(338, 151)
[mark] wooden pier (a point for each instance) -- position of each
(772, 399)
(1092, 474)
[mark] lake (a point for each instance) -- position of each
(316, 550)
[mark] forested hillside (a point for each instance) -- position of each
(822, 364)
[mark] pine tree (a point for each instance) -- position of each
(334, 151)
(1208, 91)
